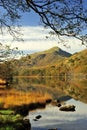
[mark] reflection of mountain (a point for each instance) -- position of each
(77, 89)
(42, 85)
(63, 90)
(25, 90)
(55, 64)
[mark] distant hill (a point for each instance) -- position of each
(47, 57)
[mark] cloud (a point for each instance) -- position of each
(35, 40)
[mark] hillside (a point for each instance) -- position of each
(52, 62)
(78, 62)
(51, 56)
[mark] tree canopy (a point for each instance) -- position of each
(64, 17)
(8, 53)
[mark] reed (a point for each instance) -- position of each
(13, 98)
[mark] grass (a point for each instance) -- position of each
(9, 120)
(2, 81)
(12, 98)
(9, 116)
(16, 105)
(6, 112)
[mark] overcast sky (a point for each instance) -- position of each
(34, 36)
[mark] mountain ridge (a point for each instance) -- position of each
(52, 62)
(49, 56)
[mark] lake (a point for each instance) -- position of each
(69, 92)
(52, 118)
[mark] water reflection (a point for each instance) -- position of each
(23, 88)
(75, 88)
(28, 90)
(53, 118)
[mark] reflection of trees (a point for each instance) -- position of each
(77, 89)
(54, 86)
(11, 98)
(48, 81)
(49, 85)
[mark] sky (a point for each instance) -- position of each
(34, 35)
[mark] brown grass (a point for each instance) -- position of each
(10, 98)
(2, 81)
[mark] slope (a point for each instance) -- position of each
(48, 57)
(77, 62)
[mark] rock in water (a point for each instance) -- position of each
(38, 117)
(67, 108)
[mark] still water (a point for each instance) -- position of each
(51, 117)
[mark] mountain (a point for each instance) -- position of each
(52, 62)
(51, 56)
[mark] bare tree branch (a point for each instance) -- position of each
(64, 17)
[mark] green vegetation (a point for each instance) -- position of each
(9, 120)
(9, 116)
(6, 112)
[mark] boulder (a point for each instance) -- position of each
(38, 117)
(67, 108)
